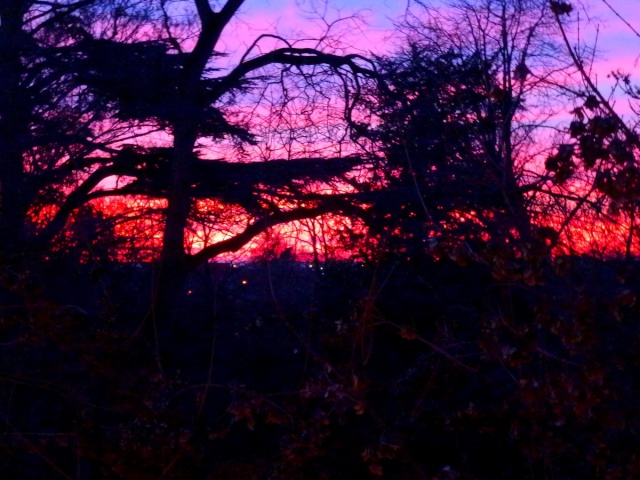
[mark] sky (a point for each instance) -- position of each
(618, 45)
(369, 28)
(369, 31)
(365, 26)
(360, 25)
(599, 24)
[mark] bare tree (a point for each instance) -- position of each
(473, 97)
(173, 81)
(596, 167)
(56, 137)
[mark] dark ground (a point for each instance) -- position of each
(284, 371)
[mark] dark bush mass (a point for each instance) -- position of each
(277, 370)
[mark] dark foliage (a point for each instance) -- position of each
(442, 166)
(143, 80)
(278, 370)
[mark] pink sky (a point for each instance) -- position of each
(618, 45)
(372, 24)
(367, 26)
(356, 24)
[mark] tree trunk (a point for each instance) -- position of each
(14, 132)
(172, 271)
(173, 268)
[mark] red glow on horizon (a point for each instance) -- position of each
(137, 229)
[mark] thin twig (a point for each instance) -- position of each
(621, 18)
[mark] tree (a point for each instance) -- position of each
(56, 138)
(440, 184)
(599, 159)
(461, 123)
(90, 82)
(174, 84)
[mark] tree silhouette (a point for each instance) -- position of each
(178, 88)
(56, 137)
(601, 151)
(440, 183)
(460, 128)
(88, 83)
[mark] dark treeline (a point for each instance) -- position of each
(430, 370)
(466, 338)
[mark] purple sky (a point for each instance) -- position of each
(363, 25)
(619, 46)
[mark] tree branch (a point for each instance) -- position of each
(261, 225)
(213, 23)
(75, 199)
(629, 134)
(205, 12)
(297, 57)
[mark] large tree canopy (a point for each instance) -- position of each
(436, 133)
(460, 128)
(119, 98)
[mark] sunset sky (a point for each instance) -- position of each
(618, 45)
(366, 26)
